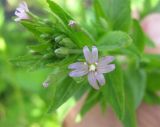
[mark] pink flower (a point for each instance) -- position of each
(21, 12)
(93, 67)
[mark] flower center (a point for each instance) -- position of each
(92, 67)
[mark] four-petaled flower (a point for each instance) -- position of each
(93, 67)
(21, 12)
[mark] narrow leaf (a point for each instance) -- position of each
(115, 89)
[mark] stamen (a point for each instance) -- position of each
(92, 67)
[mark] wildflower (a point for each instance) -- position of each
(93, 67)
(21, 12)
(45, 84)
(72, 23)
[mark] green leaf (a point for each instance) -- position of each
(151, 61)
(130, 112)
(147, 8)
(113, 41)
(94, 97)
(132, 51)
(153, 80)
(33, 61)
(149, 43)
(115, 90)
(118, 13)
(59, 12)
(66, 88)
(99, 12)
(91, 99)
(138, 36)
(152, 98)
(101, 23)
(40, 47)
(36, 28)
(78, 35)
(136, 81)
(150, 6)
(118, 42)
(31, 26)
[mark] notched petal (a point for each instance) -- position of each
(92, 80)
(94, 54)
(106, 69)
(77, 73)
(101, 79)
(87, 54)
(106, 60)
(78, 66)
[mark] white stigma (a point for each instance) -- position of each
(92, 67)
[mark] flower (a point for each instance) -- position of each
(72, 23)
(21, 12)
(93, 67)
(45, 84)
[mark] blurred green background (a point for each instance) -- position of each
(23, 101)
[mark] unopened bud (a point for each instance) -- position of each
(62, 51)
(59, 38)
(47, 22)
(44, 36)
(67, 43)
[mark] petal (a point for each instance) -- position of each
(101, 79)
(87, 54)
(17, 13)
(95, 54)
(105, 60)
(24, 6)
(92, 80)
(78, 65)
(21, 15)
(78, 73)
(20, 9)
(106, 69)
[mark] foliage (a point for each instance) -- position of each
(107, 25)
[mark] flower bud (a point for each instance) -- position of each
(67, 43)
(62, 51)
(48, 22)
(59, 38)
(44, 36)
